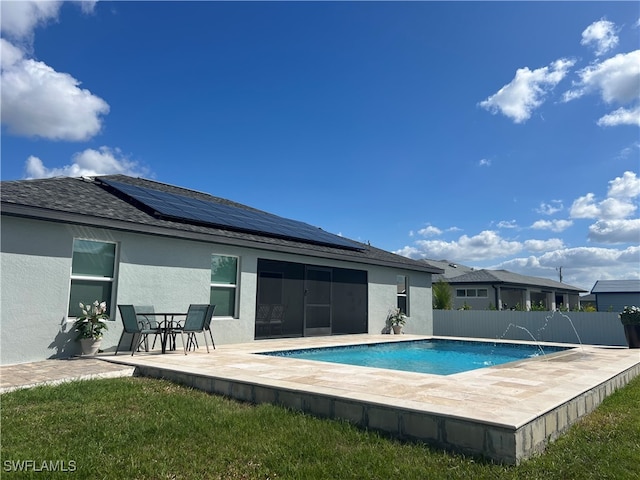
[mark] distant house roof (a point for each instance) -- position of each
(589, 298)
(90, 202)
(459, 274)
(616, 286)
(451, 269)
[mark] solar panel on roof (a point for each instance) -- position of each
(183, 208)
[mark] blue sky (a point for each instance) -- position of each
(492, 134)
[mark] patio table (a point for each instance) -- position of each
(166, 326)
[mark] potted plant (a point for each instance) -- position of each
(630, 318)
(90, 326)
(396, 319)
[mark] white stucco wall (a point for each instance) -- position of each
(383, 298)
(150, 270)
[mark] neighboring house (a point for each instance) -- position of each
(136, 241)
(588, 302)
(504, 290)
(614, 295)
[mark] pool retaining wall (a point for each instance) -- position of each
(509, 444)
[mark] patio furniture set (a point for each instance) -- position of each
(141, 322)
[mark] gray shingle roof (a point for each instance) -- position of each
(451, 269)
(84, 201)
(616, 286)
(510, 278)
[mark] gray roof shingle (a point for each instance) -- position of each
(506, 277)
(616, 286)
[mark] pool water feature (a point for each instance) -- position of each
(434, 356)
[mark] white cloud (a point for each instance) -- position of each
(527, 91)
(550, 208)
(543, 245)
(627, 152)
(621, 116)
(89, 162)
(618, 204)
(581, 266)
(616, 80)
(600, 35)
(613, 208)
(430, 231)
(18, 20)
(627, 186)
(484, 162)
(553, 225)
(37, 101)
(486, 245)
(616, 231)
(507, 224)
(585, 207)
(612, 225)
(410, 252)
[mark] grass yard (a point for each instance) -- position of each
(151, 429)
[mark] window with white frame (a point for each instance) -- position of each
(92, 274)
(224, 285)
(402, 282)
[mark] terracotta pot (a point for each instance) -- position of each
(90, 346)
(632, 333)
(397, 329)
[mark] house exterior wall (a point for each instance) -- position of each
(167, 273)
(512, 298)
(475, 303)
(615, 302)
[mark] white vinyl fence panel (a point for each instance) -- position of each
(591, 328)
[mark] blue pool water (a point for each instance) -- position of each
(440, 357)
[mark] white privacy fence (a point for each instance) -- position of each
(594, 328)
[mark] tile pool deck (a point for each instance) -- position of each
(506, 413)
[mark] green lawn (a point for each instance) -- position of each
(152, 429)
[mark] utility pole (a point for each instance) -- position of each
(559, 269)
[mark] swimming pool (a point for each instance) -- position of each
(435, 356)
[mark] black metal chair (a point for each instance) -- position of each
(197, 317)
(133, 326)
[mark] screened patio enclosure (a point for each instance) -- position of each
(314, 300)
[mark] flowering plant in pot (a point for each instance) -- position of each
(630, 318)
(91, 325)
(396, 319)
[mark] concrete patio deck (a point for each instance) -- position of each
(506, 413)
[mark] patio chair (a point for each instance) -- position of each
(276, 318)
(150, 322)
(133, 326)
(207, 327)
(197, 317)
(207, 324)
(262, 317)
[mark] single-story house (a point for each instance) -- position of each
(614, 295)
(503, 290)
(135, 241)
